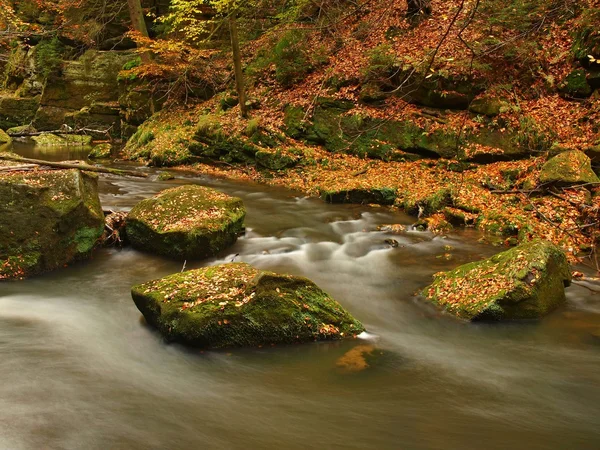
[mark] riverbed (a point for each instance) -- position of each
(81, 370)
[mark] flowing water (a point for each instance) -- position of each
(80, 370)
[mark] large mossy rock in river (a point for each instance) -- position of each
(186, 222)
(47, 220)
(571, 167)
(235, 305)
(525, 282)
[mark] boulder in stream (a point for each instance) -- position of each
(48, 218)
(186, 222)
(525, 282)
(233, 305)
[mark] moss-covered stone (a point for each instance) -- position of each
(379, 196)
(60, 140)
(572, 167)
(525, 282)
(4, 137)
(186, 222)
(488, 105)
(338, 131)
(101, 151)
(212, 143)
(47, 219)
(576, 85)
(15, 111)
(275, 160)
(234, 305)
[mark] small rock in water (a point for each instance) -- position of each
(392, 242)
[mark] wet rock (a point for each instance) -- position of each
(525, 282)
(101, 151)
(186, 222)
(60, 140)
(379, 196)
(233, 305)
(567, 168)
(47, 219)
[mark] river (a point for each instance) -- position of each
(80, 370)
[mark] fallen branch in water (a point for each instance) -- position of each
(66, 165)
(19, 167)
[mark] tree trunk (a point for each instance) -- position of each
(418, 7)
(237, 64)
(137, 17)
(139, 24)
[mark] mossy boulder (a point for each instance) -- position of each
(186, 222)
(59, 140)
(334, 127)
(488, 105)
(567, 168)
(525, 282)
(47, 219)
(101, 151)
(234, 305)
(4, 138)
(275, 160)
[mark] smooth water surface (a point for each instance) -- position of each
(80, 370)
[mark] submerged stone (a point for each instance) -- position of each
(525, 282)
(233, 305)
(571, 167)
(186, 222)
(47, 219)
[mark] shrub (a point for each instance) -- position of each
(533, 136)
(48, 56)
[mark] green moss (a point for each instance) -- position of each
(234, 305)
(86, 238)
(575, 85)
(525, 282)
(186, 222)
